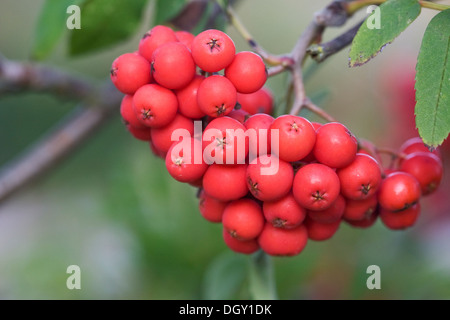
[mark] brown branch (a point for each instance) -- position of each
(16, 76)
(57, 145)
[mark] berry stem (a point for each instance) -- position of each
(262, 278)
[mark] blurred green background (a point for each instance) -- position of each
(112, 209)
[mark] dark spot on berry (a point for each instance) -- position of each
(213, 44)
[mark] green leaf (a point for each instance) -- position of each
(394, 17)
(105, 23)
(225, 276)
(262, 278)
(433, 81)
(50, 26)
(167, 9)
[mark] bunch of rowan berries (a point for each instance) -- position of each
(273, 183)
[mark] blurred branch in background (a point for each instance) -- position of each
(98, 104)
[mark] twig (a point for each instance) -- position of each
(54, 147)
(16, 76)
(320, 52)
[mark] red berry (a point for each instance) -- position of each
(426, 167)
(155, 106)
(154, 38)
(127, 112)
(162, 137)
(318, 231)
(243, 219)
(213, 50)
(182, 162)
(296, 137)
(129, 72)
(240, 246)
(258, 126)
(361, 178)
(283, 242)
(224, 142)
(210, 208)
(260, 101)
(185, 37)
(399, 191)
(316, 186)
(416, 145)
(284, 212)
(335, 145)
(331, 214)
(356, 210)
(187, 99)
(239, 115)
(269, 178)
(402, 219)
(225, 183)
(366, 222)
(247, 72)
(143, 133)
(216, 96)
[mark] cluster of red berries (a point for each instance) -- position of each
(273, 183)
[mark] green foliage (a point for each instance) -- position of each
(50, 26)
(432, 81)
(395, 16)
(167, 9)
(105, 23)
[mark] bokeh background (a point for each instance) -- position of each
(112, 209)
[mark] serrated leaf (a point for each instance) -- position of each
(167, 9)
(433, 81)
(105, 23)
(50, 26)
(224, 276)
(395, 16)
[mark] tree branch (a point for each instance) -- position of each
(320, 52)
(16, 76)
(54, 147)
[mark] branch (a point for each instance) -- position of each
(320, 52)
(16, 76)
(57, 145)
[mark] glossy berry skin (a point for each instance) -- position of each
(225, 183)
(316, 186)
(154, 38)
(284, 212)
(216, 96)
(210, 208)
(240, 246)
(331, 214)
(269, 178)
(155, 106)
(356, 210)
(296, 137)
(173, 66)
(399, 191)
(243, 219)
(162, 137)
(335, 145)
(361, 178)
(224, 142)
(247, 72)
(129, 72)
(426, 167)
(283, 242)
(127, 112)
(260, 101)
(258, 126)
(183, 164)
(187, 99)
(321, 231)
(213, 50)
(185, 37)
(416, 145)
(402, 219)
